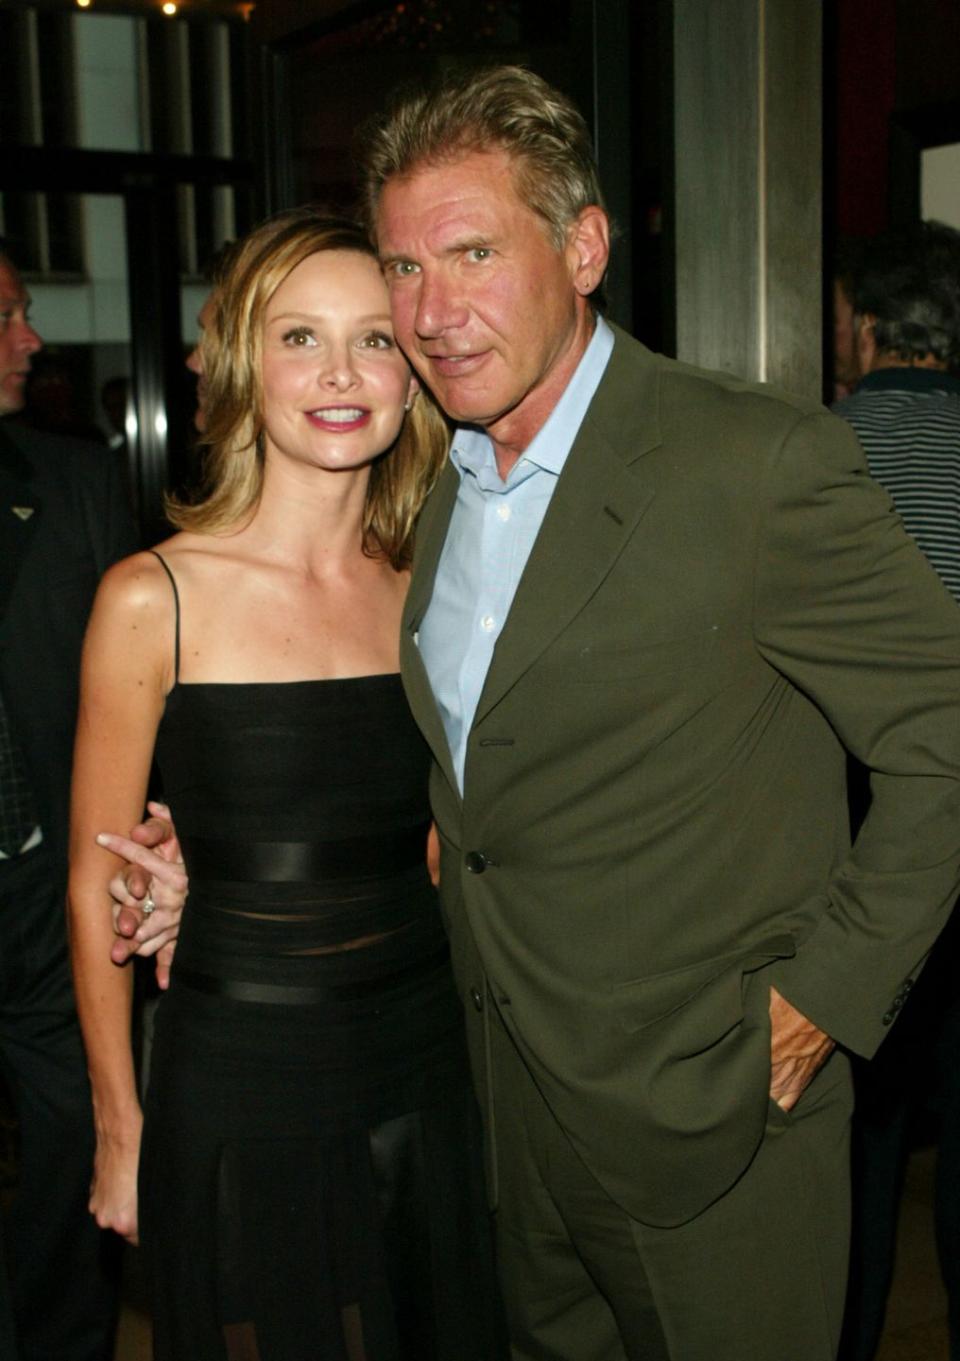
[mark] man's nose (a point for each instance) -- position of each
(28, 340)
(440, 307)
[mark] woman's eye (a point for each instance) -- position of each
(299, 336)
(377, 340)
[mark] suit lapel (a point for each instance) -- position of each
(596, 507)
(431, 533)
(598, 503)
(20, 510)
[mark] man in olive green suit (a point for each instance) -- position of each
(650, 608)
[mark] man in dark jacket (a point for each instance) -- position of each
(64, 519)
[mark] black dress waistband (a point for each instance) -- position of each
(305, 861)
(292, 994)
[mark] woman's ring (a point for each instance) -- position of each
(148, 905)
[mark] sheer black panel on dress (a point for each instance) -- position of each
(310, 1180)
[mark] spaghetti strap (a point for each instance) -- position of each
(176, 603)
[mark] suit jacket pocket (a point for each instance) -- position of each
(700, 1003)
(581, 659)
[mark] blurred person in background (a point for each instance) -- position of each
(905, 407)
(63, 521)
(846, 361)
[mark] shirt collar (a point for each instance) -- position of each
(472, 449)
(908, 378)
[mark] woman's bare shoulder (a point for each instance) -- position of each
(134, 583)
(199, 559)
(126, 641)
(143, 579)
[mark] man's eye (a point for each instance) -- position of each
(479, 253)
(404, 268)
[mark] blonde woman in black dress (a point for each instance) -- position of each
(308, 1155)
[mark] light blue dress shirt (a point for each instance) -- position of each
(492, 530)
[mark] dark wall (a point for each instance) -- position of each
(893, 71)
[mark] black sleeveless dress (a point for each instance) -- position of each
(310, 1185)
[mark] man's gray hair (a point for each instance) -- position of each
(506, 108)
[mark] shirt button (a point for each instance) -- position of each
(488, 623)
(503, 513)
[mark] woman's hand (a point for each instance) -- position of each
(113, 1192)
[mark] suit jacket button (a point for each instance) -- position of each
(475, 862)
(476, 999)
(888, 1017)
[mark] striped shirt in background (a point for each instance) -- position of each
(908, 421)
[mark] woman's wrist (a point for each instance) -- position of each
(119, 1128)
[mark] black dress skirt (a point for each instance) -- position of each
(310, 1184)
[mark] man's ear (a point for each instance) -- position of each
(863, 326)
(588, 248)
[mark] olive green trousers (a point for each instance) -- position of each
(758, 1276)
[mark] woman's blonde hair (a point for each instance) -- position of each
(232, 349)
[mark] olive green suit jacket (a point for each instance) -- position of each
(719, 602)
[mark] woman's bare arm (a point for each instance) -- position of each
(124, 677)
